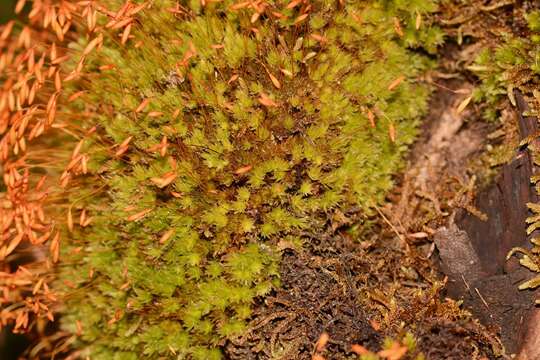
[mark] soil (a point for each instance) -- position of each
(319, 293)
(451, 341)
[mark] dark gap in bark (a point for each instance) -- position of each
(482, 277)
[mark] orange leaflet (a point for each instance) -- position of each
(371, 118)
(139, 215)
(392, 132)
(321, 343)
(255, 17)
(395, 352)
(76, 95)
(126, 141)
(92, 44)
(240, 5)
(394, 84)
(293, 4)
(70, 220)
(164, 145)
(166, 236)
(359, 350)
(142, 105)
(125, 34)
(266, 101)
(300, 18)
(286, 72)
(155, 114)
(397, 27)
(165, 180)
(318, 38)
(107, 67)
(55, 247)
(275, 81)
(243, 170)
(79, 327)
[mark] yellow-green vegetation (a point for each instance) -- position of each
(514, 65)
(223, 130)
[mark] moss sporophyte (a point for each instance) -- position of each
(194, 137)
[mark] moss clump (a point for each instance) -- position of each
(510, 62)
(222, 130)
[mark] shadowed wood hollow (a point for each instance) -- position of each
(473, 251)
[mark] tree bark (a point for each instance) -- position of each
(488, 284)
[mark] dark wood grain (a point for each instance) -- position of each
(505, 204)
(494, 297)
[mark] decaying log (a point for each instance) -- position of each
(483, 279)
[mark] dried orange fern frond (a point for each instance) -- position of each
(31, 83)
